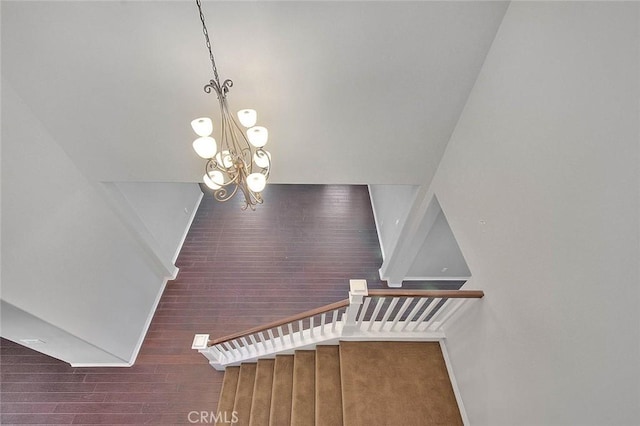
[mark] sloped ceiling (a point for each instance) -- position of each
(352, 92)
(103, 91)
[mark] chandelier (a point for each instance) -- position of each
(238, 162)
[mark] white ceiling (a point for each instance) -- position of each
(378, 84)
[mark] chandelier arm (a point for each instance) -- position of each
(251, 199)
(247, 159)
(242, 155)
(257, 198)
(245, 140)
(212, 165)
(223, 193)
(265, 170)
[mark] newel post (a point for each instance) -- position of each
(201, 344)
(358, 291)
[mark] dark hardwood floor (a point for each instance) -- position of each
(237, 270)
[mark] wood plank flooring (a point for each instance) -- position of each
(237, 270)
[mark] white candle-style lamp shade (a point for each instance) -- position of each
(214, 179)
(224, 159)
(202, 126)
(205, 147)
(258, 136)
(262, 159)
(248, 117)
(256, 182)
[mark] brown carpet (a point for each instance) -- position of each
(280, 412)
(354, 384)
(304, 389)
(414, 373)
(228, 392)
(261, 403)
(328, 394)
(244, 393)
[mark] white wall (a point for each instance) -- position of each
(439, 256)
(390, 204)
(546, 154)
(69, 259)
(166, 209)
(18, 325)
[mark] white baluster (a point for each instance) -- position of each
(425, 313)
(403, 308)
(413, 312)
(245, 346)
(290, 328)
(334, 320)
(376, 311)
(450, 311)
(254, 344)
(323, 319)
(272, 339)
(390, 309)
(281, 334)
(363, 312)
(261, 341)
(230, 351)
(218, 353)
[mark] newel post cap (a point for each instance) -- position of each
(357, 290)
(200, 341)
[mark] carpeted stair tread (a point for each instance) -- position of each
(280, 410)
(228, 391)
(304, 389)
(328, 396)
(261, 402)
(404, 383)
(244, 394)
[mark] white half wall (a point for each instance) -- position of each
(166, 209)
(540, 186)
(391, 204)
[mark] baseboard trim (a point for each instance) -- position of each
(454, 383)
(436, 278)
(110, 364)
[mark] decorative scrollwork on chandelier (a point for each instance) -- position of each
(240, 163)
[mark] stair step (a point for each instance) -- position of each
(414, 389)
(228, 391)
(244, 393)
(353, 384)
(304, 389)
(280, 410)
(328, 396)
(261, 403)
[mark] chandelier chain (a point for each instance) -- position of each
(206, 37)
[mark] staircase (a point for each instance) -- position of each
(351, 384)
(374, 359)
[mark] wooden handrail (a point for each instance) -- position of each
(449, 294)
(293, 318)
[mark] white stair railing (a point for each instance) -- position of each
(409, 315)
